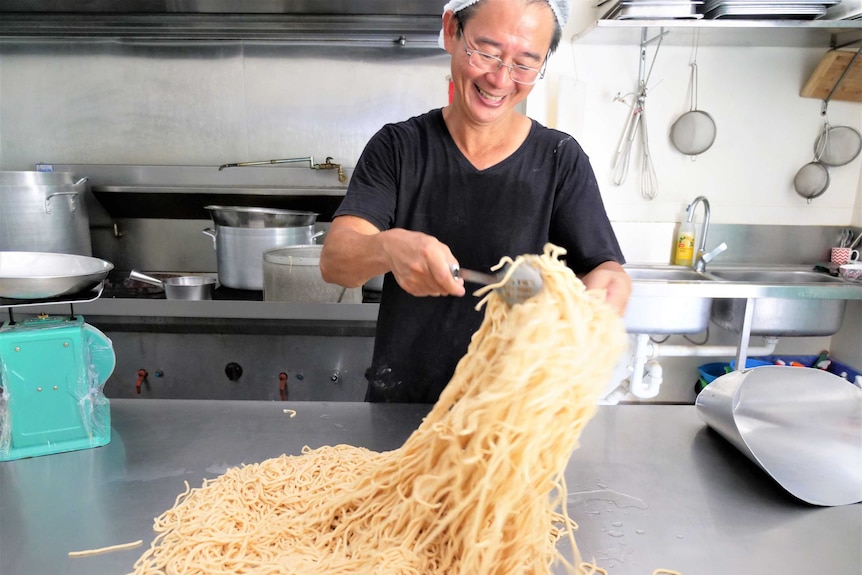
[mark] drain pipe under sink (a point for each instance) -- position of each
(646, 378)
(657, 349)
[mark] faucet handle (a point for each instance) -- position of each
(710, 255)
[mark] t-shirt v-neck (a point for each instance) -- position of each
(450, 140)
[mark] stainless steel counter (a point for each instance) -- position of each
(650, 487)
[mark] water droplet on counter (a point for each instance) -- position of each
(680, 537)
(618, 499)
(617, 523)
(640, 531)
(615, 533)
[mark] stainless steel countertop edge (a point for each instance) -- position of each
(229, 309)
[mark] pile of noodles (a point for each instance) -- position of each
(476, 489)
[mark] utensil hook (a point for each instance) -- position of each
(692, 87)
(692, 81)
(644, 73)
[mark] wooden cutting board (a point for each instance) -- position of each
(827, 73)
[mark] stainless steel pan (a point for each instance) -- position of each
(39, 275)
(181, 287)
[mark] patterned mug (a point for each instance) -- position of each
(842, 256)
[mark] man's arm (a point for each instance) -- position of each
(355, 250)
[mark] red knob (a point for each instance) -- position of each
(282, 386)
(142, 376)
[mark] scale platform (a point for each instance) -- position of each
(52, 374)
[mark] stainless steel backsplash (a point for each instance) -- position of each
(115, 101)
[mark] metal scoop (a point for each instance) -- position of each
(525, 282)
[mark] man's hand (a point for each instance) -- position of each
(611, 277)
(355, 251)
(420, 263)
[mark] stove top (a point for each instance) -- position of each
(118, 285)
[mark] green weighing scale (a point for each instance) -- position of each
(53, 369)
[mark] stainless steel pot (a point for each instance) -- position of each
(44, 212)
(292, 274)
(239, 251)
(242, 234)
(181, 287)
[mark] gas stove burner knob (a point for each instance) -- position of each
(233, 371)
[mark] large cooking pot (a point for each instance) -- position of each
(44, 212)
(240, 247)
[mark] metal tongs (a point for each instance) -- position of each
(524, 283)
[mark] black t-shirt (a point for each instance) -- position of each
(412, 175)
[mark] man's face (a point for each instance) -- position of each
(518, 34)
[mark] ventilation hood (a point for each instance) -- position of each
(399, 23)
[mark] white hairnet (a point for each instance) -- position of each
(561, 8)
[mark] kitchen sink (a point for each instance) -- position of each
(794, 301)
(656, 313)
(780, 316)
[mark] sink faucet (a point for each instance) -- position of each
(701, 256)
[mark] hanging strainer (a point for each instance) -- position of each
(811, 180)
(838, 145)
(694, 132)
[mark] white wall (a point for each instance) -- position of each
(765, 130)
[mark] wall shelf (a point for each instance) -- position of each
(783, 33)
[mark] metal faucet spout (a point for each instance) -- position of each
(699, 261)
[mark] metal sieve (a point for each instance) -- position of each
(694, 132)
(811, 180)
(838, 145)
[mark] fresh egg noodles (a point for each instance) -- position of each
(477, 488)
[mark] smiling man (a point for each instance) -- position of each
(467, 184)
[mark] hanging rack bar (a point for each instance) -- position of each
(645, 31)
(643, 73)
(843, 75)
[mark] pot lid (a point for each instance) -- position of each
(252, 217)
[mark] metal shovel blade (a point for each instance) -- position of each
(524, 283)
(800, 425)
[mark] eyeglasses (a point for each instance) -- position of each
(489, 64)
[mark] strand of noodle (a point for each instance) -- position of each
(130, 545)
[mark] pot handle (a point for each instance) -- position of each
(139, 277)
(71, 200)
(316, 235)
(211, 233)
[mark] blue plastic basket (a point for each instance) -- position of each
(709, 371)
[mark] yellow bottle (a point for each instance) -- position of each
(684, 246)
